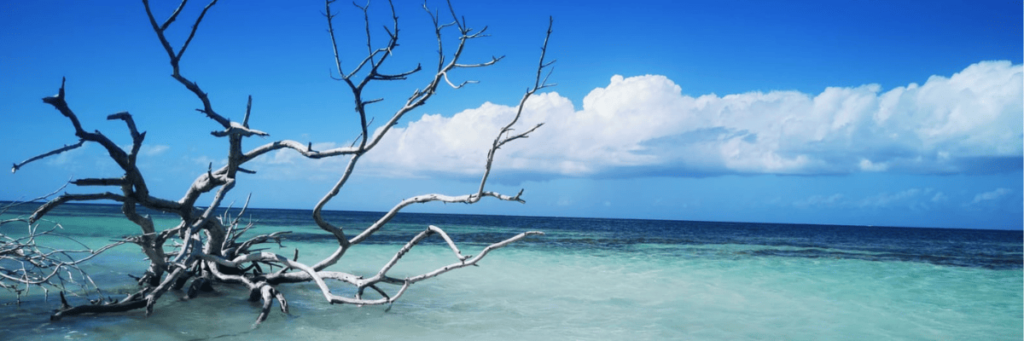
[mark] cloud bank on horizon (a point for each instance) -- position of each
(967, 123)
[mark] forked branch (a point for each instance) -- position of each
(27, 264)
(175, 57)
(209, 247)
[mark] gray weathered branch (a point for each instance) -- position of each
(39, 265)
(208, 248)
(44, 155)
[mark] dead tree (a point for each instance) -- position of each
(25, 264)
(213, 249)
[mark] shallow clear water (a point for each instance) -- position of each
(597, 279)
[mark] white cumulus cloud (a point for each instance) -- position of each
(817, 201)
(970, 122)
(154, 150)
(991, 195)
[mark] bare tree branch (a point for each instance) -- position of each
(42, 210)
(39, 265)
(99, 182)
(44, 155)
(175, 57)
(207, 247)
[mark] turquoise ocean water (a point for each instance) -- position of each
(587, 279)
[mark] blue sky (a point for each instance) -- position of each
(863, 113)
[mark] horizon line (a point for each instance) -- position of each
(1018, 229)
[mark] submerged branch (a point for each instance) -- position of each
(209, 248)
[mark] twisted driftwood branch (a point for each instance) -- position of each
(210, 248)
(38, 265)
